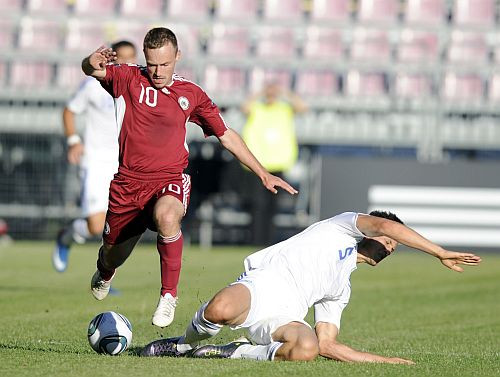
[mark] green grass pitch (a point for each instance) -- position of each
(409, 306)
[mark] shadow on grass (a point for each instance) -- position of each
(43, 348)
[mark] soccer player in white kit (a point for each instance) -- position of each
(280, 283)
(98, 159)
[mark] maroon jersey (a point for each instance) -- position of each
(152, 122)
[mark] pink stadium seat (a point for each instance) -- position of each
(96, 7)
(418, 46)
(11, 6)
(275, 42)
(224, 80)
(283, 10)
(330, 10)
(229, 40)
(413, 86)
(260, 76)
(474, 12)
(323, 43)
(188, 9)
(463, 88)
(425, 12)
(143, 8)
(467, 47)
(384, 11)
(69, 76)
(316, 83)
(6, 33)
(365, 84)
(30, 75)
(494, 89)
(237, 9)
(47, 6)
(370, 44)
(85, 35)
(38, 34)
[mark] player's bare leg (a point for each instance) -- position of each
(168, 213)
(110, 258)
(78, 231)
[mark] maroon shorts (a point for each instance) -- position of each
(132, 200)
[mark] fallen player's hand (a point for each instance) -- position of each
(271, 181)
(398, 360)
(453, 259)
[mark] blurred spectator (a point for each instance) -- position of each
(270, 134)
(98, 160)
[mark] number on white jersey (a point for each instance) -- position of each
(151, 100)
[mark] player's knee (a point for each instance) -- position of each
(168, 222)
(306, 349)
(218, 311)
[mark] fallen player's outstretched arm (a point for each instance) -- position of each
(329, 347)
(373, 226)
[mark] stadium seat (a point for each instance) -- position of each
(224, 80)
(463, 88)
(323, 43)
(474, 12)
(237, 9)
(6, 33)
(418, 46)
(38, 34)
(141, 8)
(365, 84)
(228, 40)
(47, 6)
(85, 35)
(379, 11)
(11, 6)
(413, 86)
(3, 73)
(370, 44)
(188, 9)
(425, 12)
(283, 10)
(316, 84)
(467, 47)
(494, 89)
(260, 76)
(275, 42)
(95, 7)
(330, 10)
(30, 75)
(69, 76)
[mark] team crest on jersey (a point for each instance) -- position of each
(183, 103)
(107, 228)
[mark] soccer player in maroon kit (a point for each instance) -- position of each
(153, 106)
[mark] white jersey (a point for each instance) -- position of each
(101, 132)
(317, 263)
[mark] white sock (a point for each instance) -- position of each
(248, 351)
(80, 231)
(199, 329)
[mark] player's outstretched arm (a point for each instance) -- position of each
(331, 348)
(373, 226)
(95, 64)
(235, 144)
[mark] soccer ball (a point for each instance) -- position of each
(110, 333)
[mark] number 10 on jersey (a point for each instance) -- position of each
(151, 96)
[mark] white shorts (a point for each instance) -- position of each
(274, 303)
(96, 178)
